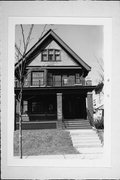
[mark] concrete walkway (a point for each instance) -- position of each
(87, 143)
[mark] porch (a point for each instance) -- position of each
(52, 108)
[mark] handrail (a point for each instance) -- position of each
(51, 83)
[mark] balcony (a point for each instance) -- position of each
(64, 83)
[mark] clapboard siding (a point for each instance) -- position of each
(66, 59)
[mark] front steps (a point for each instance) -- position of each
(77, 124)
(87, 143)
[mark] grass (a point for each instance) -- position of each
(44, 142)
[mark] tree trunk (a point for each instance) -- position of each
(20, 123)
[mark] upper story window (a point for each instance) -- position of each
(37, 78)
(51, 55)
(57, 55)
(77, 78)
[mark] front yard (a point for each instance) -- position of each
(44, 142)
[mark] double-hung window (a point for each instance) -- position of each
(44, 55)
(51, 55)
(37, 78)
(77, 78)
(57, 55)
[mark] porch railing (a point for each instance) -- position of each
(52, 84)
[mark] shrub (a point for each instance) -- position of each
(99, 123)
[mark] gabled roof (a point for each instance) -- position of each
(50, 35)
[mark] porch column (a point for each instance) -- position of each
(45, 77)
(59, 110)
(90, 107)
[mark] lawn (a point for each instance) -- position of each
(44, 142)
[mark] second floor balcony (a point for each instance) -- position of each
(63, 83)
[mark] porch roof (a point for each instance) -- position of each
(52, 90)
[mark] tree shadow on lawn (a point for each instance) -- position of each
(44, 142)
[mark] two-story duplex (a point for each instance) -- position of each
(55, 90)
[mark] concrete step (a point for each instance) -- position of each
(91, 150)
(85, 135)
(86, 145)
(76, 122)
(86, 140)
(92, 156)
(77, 125)
(77, 128)
(80, 123)
(84, 131)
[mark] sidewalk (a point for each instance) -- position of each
(67, 156)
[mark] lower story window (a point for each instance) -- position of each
(37, 107)
(43, 107)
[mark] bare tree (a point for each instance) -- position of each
(20, 53)
(21, 73)
(101, 70)
(20, 56)
(101, 75)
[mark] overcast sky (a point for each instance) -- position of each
(85, 40)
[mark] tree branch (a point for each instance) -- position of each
(23, 36)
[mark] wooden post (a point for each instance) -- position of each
(59, 110)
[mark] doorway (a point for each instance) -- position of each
(74, 107)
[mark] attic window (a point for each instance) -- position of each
(44, 55)
(51, 55)
(57, 55)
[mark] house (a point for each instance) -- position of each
(55, 90)
(98, 101)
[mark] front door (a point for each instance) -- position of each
(74, 107)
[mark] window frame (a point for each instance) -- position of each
(42, 53)
(77, 78)
(32, 72)
(54, 55)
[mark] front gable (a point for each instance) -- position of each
(52, 40)
(65, 58)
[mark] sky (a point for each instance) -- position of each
(84, 40)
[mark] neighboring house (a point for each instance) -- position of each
(55, 89)
(98, 101)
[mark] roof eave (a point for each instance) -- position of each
(62, 43)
